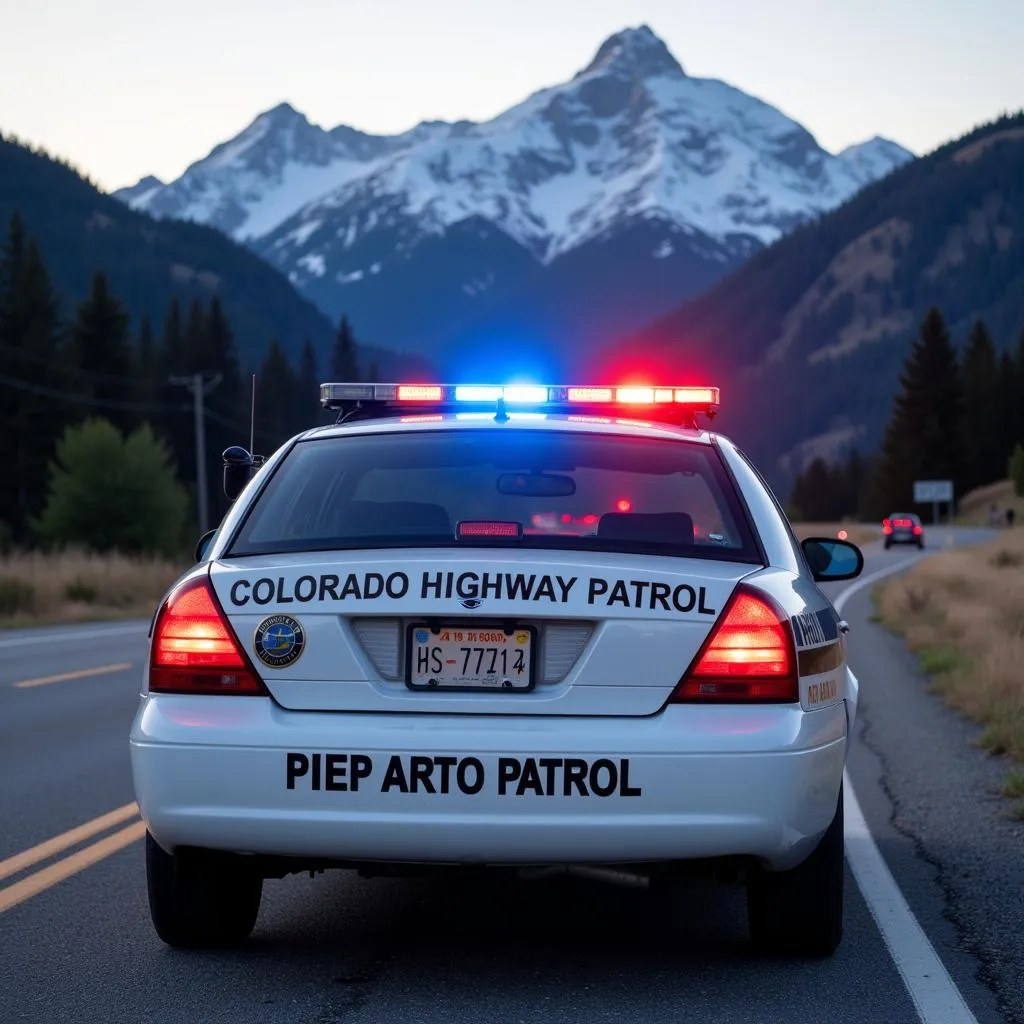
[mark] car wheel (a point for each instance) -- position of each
(920, 545)
(888, 544)
(201, 898)
(801, 911)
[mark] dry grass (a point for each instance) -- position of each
(963, 612)
(857, 533)
(973, 508)
(37, 588)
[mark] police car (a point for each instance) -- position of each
(499, 626)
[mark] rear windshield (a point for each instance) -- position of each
(565, 490)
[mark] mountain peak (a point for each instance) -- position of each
(875, 158)
(875, 142)
(636, 51)
(283, 113)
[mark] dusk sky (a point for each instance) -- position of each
(128, 87)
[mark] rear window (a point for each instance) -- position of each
(566, 491)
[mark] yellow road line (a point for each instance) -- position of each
(20, 861)
(42, 880)
(82, 673)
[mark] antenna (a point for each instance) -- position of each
(252, 417)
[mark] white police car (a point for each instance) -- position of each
(499, 626)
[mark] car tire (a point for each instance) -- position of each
(920, 545)
(201, 898)
(888, 544)
(800, 911)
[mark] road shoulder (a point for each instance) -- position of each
(930, 799)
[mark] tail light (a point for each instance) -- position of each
(917, 531)
(194, 649)
(749, 656)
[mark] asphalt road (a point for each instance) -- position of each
(76, 943)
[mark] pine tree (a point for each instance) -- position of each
(147, 364)
(172, 341)
(1017, 398)
(1008, 401)
(1015, 470)
(275, 402)
(102, 354)
(923, 439)
(849, 485)
(344, 366)
(228, 406)
(12, 268)
(308, 411)
(194, 339)
(984, 445)
(175, 419)
(30, 422)
(814, 492)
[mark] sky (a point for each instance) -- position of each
(125, 88)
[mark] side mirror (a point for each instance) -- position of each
(832, 560)
(238, 468)
(204, 544)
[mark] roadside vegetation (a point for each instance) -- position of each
(962, 611)
(975, 507)
(113, 528)
(40, 588)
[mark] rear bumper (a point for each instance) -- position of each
(242, 774)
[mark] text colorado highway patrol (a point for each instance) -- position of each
(436, 586)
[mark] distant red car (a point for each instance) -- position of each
(903, 528)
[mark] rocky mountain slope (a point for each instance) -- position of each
(590, 207)
(807, 339)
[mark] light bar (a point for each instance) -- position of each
(473, 393)
(525, 394)
(590, 394)
(420, 393)
(672, 403)
(518, 394)
(635, 396)
(697, 396)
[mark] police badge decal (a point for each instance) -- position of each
(279, 640)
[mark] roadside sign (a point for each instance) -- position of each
(933, 490)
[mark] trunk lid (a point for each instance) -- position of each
(607, 634)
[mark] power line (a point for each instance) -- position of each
(79, 399)
(100, 378)
(143, 407)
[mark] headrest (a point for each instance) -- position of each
(650, 527)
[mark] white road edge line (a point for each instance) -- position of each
(934, 993)
(82, 634)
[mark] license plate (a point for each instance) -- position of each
(460, 658)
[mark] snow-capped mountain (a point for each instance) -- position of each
(140, 194)
(648, 182)
(875, 158)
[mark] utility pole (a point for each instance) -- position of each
(200, 389)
